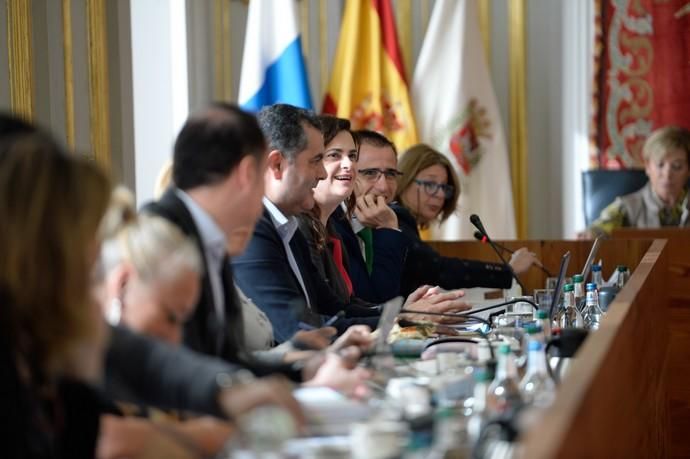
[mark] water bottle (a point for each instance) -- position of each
(579, 291)
(545, 323)
(504, 391)
(482, 380)
(596, 276)
(623, 276)
(450, 435)
(537, 387)
(569, 316)
(592, 313)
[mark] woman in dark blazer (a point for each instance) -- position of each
(428, 192)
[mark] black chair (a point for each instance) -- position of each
(601, 187)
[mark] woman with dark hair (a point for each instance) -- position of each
(340, 160)
(428, 190)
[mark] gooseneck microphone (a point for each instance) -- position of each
(499, 305)
(483, 239)
(476, 221)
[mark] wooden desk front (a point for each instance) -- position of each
(678, 283)
(613, 402)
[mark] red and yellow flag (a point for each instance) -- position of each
(368, 84)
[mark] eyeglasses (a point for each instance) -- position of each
(373, 174)
(431, 188)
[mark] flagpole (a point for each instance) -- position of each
(518, 112)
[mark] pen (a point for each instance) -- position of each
(328, 323)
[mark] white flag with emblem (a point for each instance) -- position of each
(457, 114)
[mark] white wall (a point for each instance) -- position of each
(160, 85)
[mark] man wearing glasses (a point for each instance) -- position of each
(375, 246)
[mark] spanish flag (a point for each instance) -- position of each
(368, 84)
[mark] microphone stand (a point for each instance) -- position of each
(477, 224)
(484, 239)
(498, 305)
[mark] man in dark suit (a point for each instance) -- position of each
(218, 163)
(276, 269)
(375, 246)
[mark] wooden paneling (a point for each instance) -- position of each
(612, 251)
(613, 401)
(678, 370)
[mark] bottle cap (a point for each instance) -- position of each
(621, 268)
(591, 286)
(482, 375)
(534, 346)
(504, 349)
(533, 329)
(542, 315)
(568, 288)
(596, 268)
(577, 278)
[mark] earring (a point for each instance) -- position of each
(114, 313)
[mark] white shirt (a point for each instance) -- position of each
(214, 242)
(286, 228)
(357, 227)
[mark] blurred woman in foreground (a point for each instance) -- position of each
(51, 334)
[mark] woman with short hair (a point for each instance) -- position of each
(663, 201)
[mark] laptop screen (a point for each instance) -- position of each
(590, 258)
(390, 311)
(559, 284)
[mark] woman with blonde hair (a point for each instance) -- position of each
(664, 200)
(152, 267)
(428, 191)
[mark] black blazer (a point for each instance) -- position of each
(146, 371)
(390, 250)
(263, 273)
(425, 266)
(204, 332)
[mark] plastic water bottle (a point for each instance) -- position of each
(579, 291)
(569, 316)
(623, 276)
(450, 435)
(596, 276)
(537, 387)
(592, 312)
(545, 323)
(504, 391)
(479, 417)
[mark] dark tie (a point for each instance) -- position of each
(367, 236)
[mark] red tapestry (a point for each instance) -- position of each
(641, 76)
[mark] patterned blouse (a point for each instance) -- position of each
(642, 209)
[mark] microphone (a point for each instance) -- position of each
(475, 220)
(499, 305)
(483, 239)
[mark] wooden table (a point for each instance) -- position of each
(613, 402)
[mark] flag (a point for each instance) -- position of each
(273, 67)
(458, 115)
(368, 84)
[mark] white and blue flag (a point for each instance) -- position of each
(273, 67)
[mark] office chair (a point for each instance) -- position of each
(601, 187)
